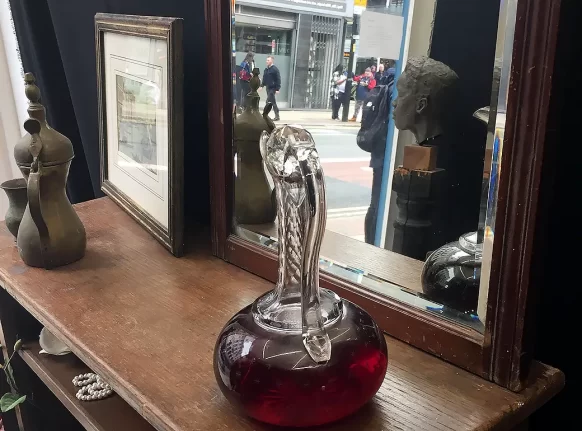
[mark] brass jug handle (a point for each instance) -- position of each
(32, 126)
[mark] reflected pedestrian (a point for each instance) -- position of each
(244, 75)
(372, 138)
(338, 89)
(366, 83)
(379, 74)
(272, 82)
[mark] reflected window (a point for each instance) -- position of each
(262, 40)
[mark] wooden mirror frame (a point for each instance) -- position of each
(501, 354)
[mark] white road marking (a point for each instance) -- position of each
(347, 209)
(344, 159)
(332, 133)
(346, 212)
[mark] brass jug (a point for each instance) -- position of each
(253, 197)
(50, 234)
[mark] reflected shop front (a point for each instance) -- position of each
(303, 36)
(405, 101)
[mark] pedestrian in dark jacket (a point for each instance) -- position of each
(377, 159)
(387, 77)
(379, 147)
(366, 83)
(272, 82)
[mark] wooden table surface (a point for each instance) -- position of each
(148, 322)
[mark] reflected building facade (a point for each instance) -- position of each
(305, 37)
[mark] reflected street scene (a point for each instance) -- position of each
(404, 101)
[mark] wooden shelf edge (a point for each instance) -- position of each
(57, 373)
(121, 387)
(391, 267)
(542, 384)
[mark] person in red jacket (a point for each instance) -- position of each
(366, 83)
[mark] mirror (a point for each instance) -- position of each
(405, 100)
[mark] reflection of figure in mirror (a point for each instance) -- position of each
(253, 200)
(386, 72)
(244, 76)
(372, 138)
(425, 183)
(380, 73)
(366, 83)
(272, 82)
(422, 93)
(338, 91)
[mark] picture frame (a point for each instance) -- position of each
(141, 127)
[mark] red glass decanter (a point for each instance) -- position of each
(299, 355)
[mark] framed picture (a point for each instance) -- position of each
(141, 126)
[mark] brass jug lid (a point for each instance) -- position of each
(56, 148)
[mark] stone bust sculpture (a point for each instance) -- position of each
(423, 89)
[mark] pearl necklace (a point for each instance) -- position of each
(92, 387)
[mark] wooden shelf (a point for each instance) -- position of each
(147, 322)
(57, 372)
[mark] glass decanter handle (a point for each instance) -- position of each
(292, 160)
(315, 337)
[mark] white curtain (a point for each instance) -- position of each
(12, 100)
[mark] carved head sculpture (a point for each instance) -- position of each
(423, 90)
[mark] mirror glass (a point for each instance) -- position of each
(405, 100)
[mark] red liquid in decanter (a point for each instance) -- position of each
(271, 377)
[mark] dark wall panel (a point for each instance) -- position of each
(464, 37)
(71, 24)
(40, 54)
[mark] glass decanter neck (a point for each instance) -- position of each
(297, 305)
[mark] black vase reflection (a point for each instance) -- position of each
(451, 274)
